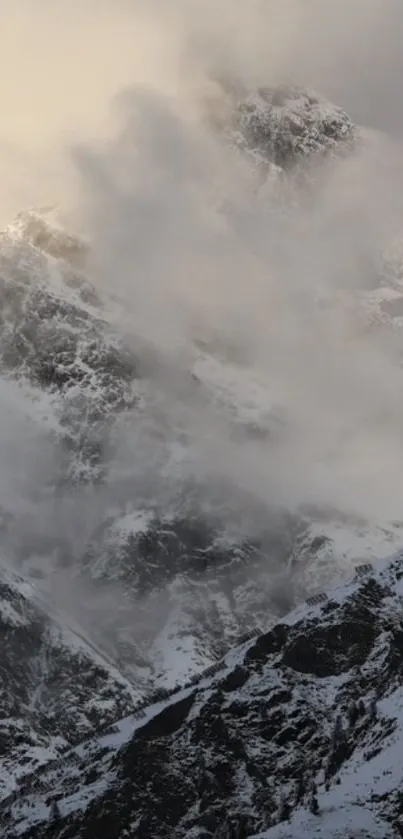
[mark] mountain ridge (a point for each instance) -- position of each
(241, 739)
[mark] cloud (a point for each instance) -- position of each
(109, 112)
(184, 268)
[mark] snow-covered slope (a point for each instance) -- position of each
(298, 733)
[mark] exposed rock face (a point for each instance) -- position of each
(287, 125)
(54, 335)
(316, 700)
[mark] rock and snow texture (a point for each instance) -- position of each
(298, 733)
(54, 337)
(55, 687)
(286, 125)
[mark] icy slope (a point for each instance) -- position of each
(310, 710)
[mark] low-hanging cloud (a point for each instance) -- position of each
(63, 64)
(183, 238)
(109, 112)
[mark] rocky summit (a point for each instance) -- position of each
(288, 125)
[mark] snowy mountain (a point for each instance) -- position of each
(181, 566)
(297, 733)
(127, 584)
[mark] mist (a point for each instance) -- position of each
(152, 201)
(111, 112)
